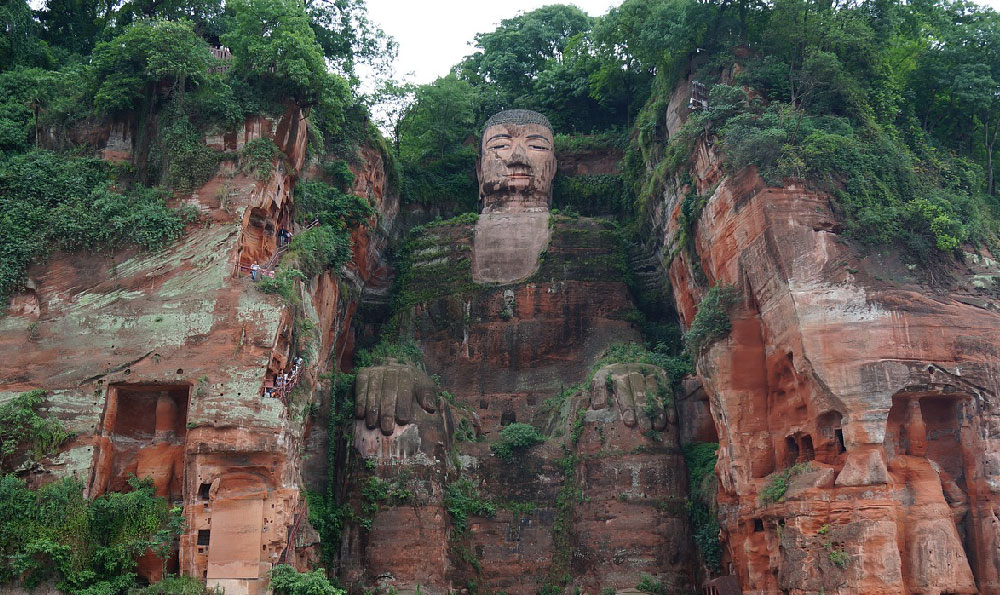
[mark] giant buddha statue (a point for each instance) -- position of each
(508, 314)
(516, 169)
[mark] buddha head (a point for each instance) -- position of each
(518, 161)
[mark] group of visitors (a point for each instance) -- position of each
(285, 381)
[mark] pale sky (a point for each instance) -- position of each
(433, 35)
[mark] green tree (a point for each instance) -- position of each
(285, 580)
(129, 68)
(208, 17)
(639, 38)
(439, 119)
(511, 57)
(19, 44)
(275, 50)
(74, 25)
(348, 37)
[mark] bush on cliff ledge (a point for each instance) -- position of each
(22, 429)
(285, 580)
(514, 438)
(711, 322)
(76, 204)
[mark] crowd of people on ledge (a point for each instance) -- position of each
(284, 382)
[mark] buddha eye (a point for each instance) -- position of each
(538, 147)
(499, 146)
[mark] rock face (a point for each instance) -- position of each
(595, 506)
(159, 362)
(855, 407)
(885, 386)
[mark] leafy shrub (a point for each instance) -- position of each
(285, 580)
(515, 437)
(649, 584)
(839, 558)
(775, 488)
(257, 158)
(465, 431)
(320, 248)
(110, 220)
(711, 322)
(403, 351)
(22, 429)
(462, 500)
(283, 284)
(339, 173)
(89, 546)
(318, 200)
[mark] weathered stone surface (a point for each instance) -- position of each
(851, 362)
(600, 502)
(158, 362)
(507, 245)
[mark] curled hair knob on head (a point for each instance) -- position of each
(518, 116)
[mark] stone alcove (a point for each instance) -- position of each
(143, 433)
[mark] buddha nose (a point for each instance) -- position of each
(519, 155)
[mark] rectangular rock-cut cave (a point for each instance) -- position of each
(134, 409)
(144, 427)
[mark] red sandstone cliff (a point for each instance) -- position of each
(885, 385)
(158, 362)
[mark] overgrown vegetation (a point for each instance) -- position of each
(76, 204)
(66, 71)
(327, 513)
(26, 435)
(711, 322)
(406, 351)
(837, 556)
(257, 158)
(514, 438)
(590, 194)
(649, 584)
(700, 459)
(87, 546)
(462, 500)
(327, 246)
(285, 580)
(775, 488)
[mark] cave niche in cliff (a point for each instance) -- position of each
(798, 449)
(927, 424)
(830, 444)
(144, 430)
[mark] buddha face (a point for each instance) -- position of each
(517, 166)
